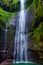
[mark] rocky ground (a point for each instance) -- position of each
(6, 62)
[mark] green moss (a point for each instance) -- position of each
(9, 2)
(10, 5)
(37, 8)
(37, 36)
(37, 33)
(5, 16)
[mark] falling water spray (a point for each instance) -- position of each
(20, 47)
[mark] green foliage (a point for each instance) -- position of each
(5, 16)
(15, 1)
(10, 5)
(37, 33)
(37, 8)
(37, 36)
(28, 3)
(9, 2)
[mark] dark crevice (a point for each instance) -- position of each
(37, 23)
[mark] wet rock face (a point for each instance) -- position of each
(1, 39)
(29, 21)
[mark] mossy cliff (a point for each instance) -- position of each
(11, 8)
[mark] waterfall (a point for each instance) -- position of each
(20, 47)
(22, 2)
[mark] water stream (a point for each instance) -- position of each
(20, 46)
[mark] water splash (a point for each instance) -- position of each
(20, 47)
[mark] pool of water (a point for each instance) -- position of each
(25, 64)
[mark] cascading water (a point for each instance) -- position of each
(20, 47)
